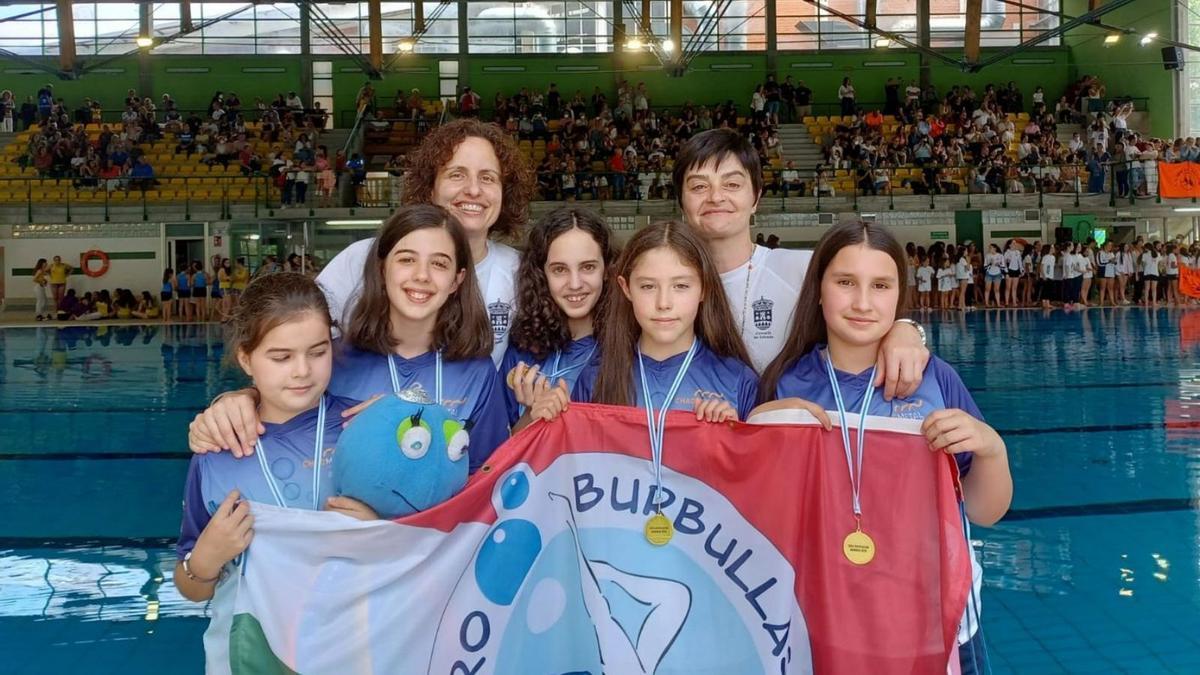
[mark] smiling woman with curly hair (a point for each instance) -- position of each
(562, 288)
(431, 178)
(475, 171)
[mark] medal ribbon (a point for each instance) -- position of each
(265, 464)
(556, 373)
(854, 461)
(437, 377)
(657, 424)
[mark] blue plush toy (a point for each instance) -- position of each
(399, 457)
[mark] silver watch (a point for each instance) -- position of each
(919, 327)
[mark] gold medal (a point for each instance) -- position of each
(659, 530)
(858, 547)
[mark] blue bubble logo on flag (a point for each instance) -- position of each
(541, 564)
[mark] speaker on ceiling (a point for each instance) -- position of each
(1172, 58)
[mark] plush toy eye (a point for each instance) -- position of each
(459, 443)
(414, 441)
(457, 440)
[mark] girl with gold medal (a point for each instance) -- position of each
(850, 299)
(667, 342)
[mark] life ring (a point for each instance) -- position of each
(88, 257)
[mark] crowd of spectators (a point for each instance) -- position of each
(588, 146)
(81, 146)
(990, 141)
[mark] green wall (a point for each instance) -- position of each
(191, 80)
(108, 86)
(709, 79)
(1127, 68)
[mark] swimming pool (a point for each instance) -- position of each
(1095, 569)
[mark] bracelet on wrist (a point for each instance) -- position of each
(187, 569)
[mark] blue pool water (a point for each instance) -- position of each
(1095, 570)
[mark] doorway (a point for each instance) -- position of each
(182, 252)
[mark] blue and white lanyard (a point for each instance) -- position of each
(557, 373)
(854, 461)
(657, 425)
(437, 377)
(265, 464)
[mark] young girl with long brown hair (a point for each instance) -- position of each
(418, 330)
(851, 296)
(668, 339)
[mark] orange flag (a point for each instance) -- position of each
(1189, 281)
(1178, 181)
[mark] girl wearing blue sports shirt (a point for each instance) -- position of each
(849, 301)
(280, 336)
(419, 330)
(199, 292)
(562, 290)
(670, 329)
(183, 290)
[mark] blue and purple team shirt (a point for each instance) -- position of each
(940, 388)
(709, 377)
(471, 390)
(289, 449)
(566, 364)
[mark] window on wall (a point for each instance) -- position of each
(105, 28)
(244, 28)
(546, 27)
(353, 21)
(742, 26)
(801, 25)
(1002, 24)
(1190, 34)
(24, 30)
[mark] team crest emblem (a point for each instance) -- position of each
(415, 393)
(763, 313)
(499, 312)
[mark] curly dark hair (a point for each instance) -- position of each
(426, 162)
(540, 326)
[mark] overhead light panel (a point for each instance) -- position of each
(1150, 37)
(144, 41)
(633, 44)
(1112, 38)
(406, 46)
(883, 42)
(668, 46)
